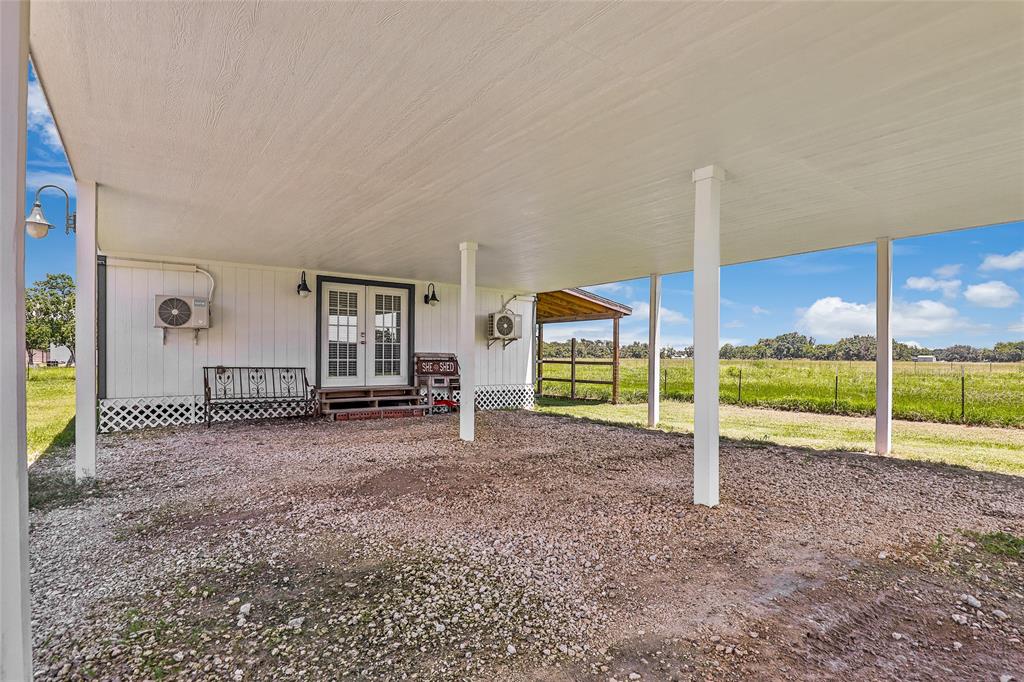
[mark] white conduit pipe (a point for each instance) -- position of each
(160, 265)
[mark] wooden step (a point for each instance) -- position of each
(387, 412)
(364, 406)
(366, 399)
(367, 391)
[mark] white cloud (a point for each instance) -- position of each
(1017, 327)
(564, 332)
(758, 310)
(948, 271)
(949, 287)
(1011, 261)
(642, 309)
(34, 179)
(610, 289)
(39, 118)
(832, 318)
(912, 344)
(734, 324)
(994, 294)
(926, 318)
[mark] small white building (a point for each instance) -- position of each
(492, 149)
(148, 376)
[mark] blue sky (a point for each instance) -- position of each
(956, 287)
(46, 164)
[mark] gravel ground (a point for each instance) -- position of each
(549, 549)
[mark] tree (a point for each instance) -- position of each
(793, 346)
(37, 329)
(958, 353)
(901, 352)
(788, 346)
(51, 302)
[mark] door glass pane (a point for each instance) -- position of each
(342, 333)
(387, 335)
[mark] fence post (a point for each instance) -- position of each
(572, 369)
(664, 381)
(835, 400)
(963, 394)
(739, 389)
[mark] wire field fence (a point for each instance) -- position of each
(970, 393)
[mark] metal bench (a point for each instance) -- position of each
(258, 392)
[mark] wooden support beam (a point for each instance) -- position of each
(540, 359)
(883, 347)
(572, 369)
(85, 333)
(615, 361)
(15, 632)
(558, 361)
(600, 382)
(467, 341)
(706, 301)
(653, 356)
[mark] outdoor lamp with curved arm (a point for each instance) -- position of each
(36, 224)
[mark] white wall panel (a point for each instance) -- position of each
(258, 319)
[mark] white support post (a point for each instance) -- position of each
(15, 634)
(467, 341)
(653, 355)
(85, 333)
(706, 300)
(883, 349)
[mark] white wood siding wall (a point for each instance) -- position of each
(257, 319)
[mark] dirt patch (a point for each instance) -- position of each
(422, 482)
(549, 549)
(902, 619)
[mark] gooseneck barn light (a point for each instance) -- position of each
(36, 224)
(303, 289)
(430, 298)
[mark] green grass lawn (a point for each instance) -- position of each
(978, 447)
(50, 402)
(921, 392)
(51, 410)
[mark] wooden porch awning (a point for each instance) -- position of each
(574, 305)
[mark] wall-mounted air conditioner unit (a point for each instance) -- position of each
(505, 327)
(182, 312)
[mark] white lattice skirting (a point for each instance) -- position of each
(504, 397)
(127, 414)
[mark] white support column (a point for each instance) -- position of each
(653, 355)
(85, 333)
(467, 341)
(15, 635)
(706, 300)
(883, 349)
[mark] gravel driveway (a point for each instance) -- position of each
(549, 549)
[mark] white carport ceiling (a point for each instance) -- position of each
(374, 137)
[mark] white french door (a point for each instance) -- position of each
(365, 336)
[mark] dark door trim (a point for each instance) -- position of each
(410, 301)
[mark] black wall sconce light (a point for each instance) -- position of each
(36, 224)
(430, 298)
(303, 288)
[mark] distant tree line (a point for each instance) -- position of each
(795, 346)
